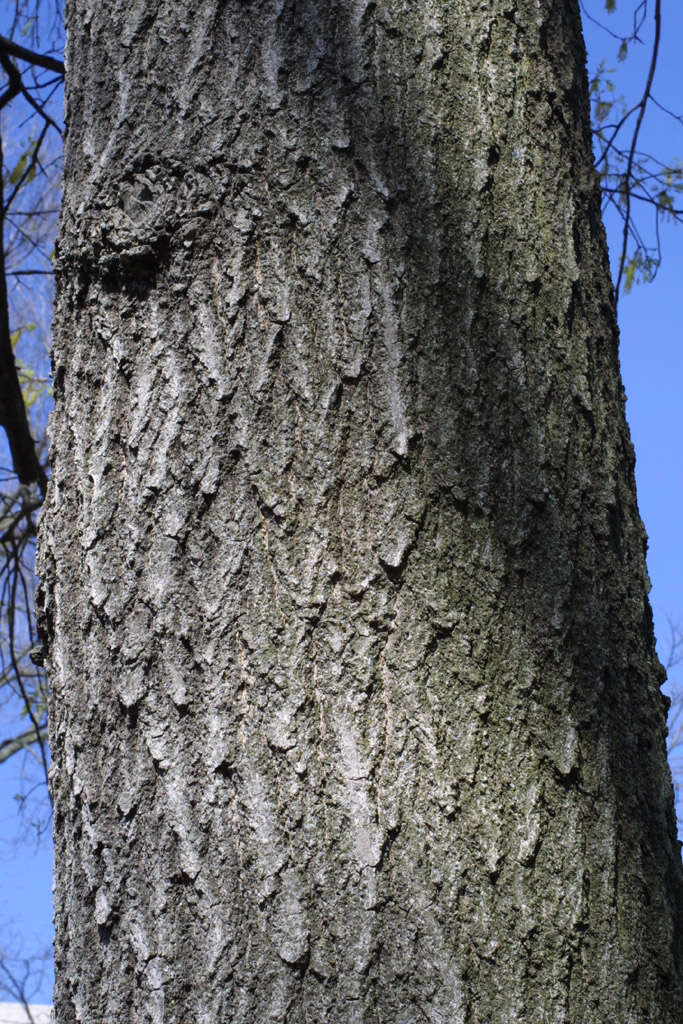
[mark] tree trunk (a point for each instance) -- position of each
(356, 713)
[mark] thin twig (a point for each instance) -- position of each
(634, 142)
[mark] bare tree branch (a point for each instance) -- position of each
(634, 142)
(40, 60)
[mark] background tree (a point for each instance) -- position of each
(30, 146)
(30, 151)
(21, 976)
(356, 707)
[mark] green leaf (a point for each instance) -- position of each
(629, 274)
(610, 6)
(623, 50)
(665, 201)
(602, 109)
(32, 387)
(19, 169)
(645, 267)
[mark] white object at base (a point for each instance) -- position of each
(15, 1013)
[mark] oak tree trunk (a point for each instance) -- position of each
(356, 712)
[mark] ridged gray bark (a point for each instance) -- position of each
(356, 713)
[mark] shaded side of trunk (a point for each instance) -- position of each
(356, 715)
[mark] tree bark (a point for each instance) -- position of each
(356, 713)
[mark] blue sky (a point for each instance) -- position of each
(652, 359)
(650, 318)
(652, 367)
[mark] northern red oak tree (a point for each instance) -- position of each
(356, 709)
